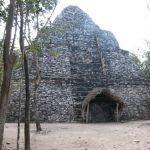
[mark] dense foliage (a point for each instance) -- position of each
(3, 11)
(145, 63)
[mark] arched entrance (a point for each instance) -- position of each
(100, 105)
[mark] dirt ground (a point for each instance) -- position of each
(103, 136)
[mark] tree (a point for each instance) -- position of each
(33, 9)
(26, 71)
(30, 10)
(19, 112)
(145, 65)
(36, 9)
(8, 62)
(135, 59)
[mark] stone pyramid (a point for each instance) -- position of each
(78, 56)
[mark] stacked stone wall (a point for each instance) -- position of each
(136, 98)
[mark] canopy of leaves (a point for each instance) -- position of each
(41, 6)
(145, 65)
(35, 11)
(37, 8)
(135, 58)
(35, 46)
(3, 11)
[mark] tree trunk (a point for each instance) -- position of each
(27, 105)
(19, 113)
(36, 86)
(9, 61)
(34, 104)
(27, 91)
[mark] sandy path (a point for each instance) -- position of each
(104, 136)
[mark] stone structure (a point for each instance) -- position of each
(77, 56)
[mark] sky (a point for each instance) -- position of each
(128, 20)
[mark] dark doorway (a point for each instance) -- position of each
(102, 109)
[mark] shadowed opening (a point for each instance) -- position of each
(100, 105)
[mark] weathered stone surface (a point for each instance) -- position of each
(85, 57)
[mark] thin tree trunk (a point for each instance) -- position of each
(19, 113)
(37, 83)
(9, 61)
(27, 105)
(18, 128)
(26, 70)
(15, 34)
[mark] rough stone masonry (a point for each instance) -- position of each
(76, 57)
